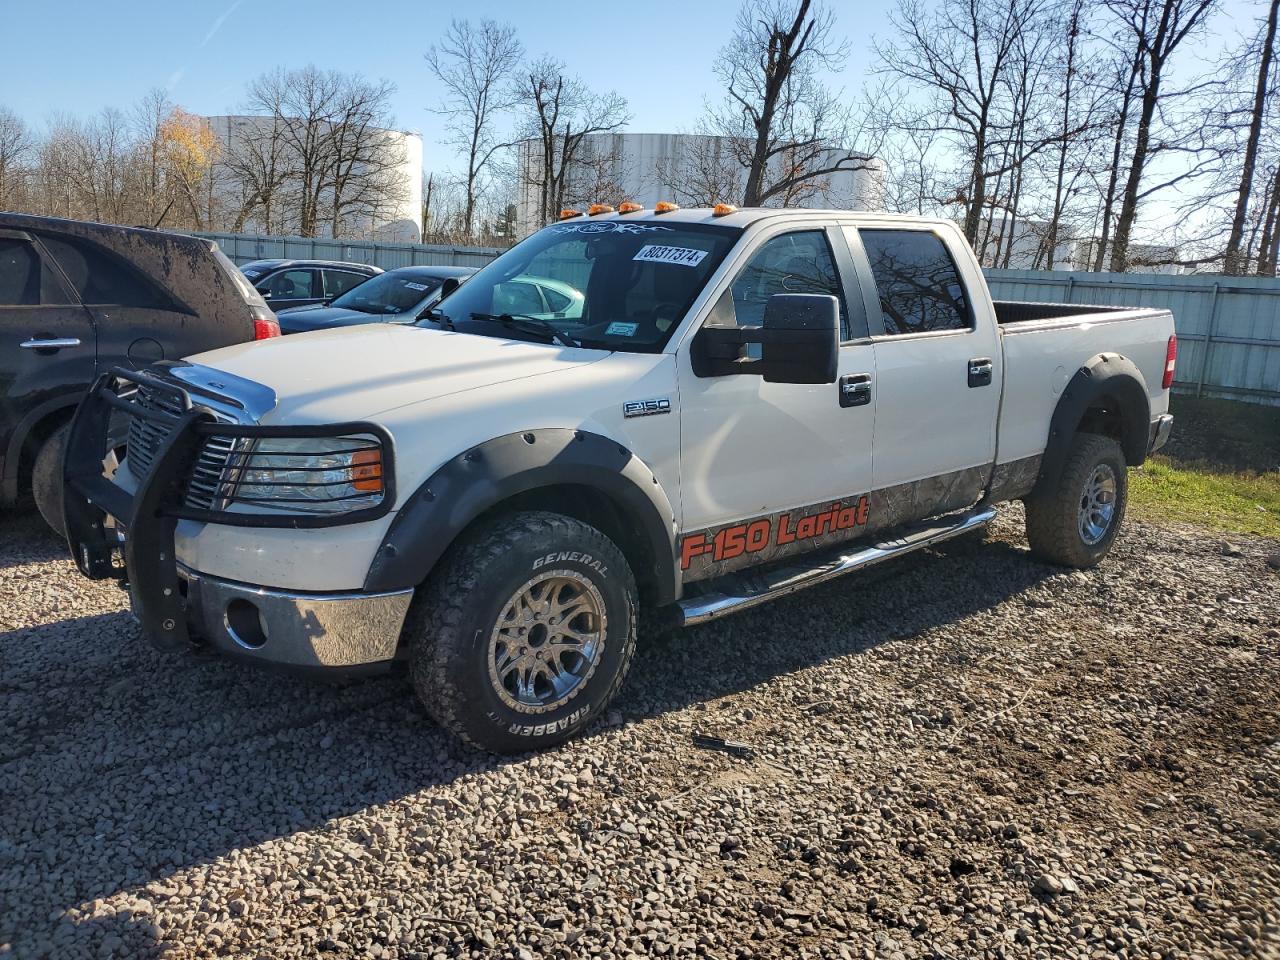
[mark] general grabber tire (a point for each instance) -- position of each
(1075, 522)
(524, 633)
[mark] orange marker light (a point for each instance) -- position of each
(630, 207)
(598, 208)
(567, 214)
(723, 209)
(366, 471)
(665, 207)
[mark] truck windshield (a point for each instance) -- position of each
(609, 284)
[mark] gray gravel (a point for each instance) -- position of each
(969, 754)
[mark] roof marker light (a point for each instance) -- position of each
(723, 209)
(665, 207)
(598, 208)
(567, 214)
(630, 207)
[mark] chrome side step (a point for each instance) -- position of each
(742, 591)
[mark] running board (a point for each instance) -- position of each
(748, 590)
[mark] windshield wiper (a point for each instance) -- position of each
(527, 324)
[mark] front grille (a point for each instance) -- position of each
(145, 436)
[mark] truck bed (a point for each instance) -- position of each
(1025, 311)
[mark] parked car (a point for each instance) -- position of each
(296, 283)
(397, 296)
(76, 300)
(746, 403)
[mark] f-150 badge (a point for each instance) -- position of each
(646, 408)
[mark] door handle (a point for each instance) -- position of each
(855, 390)
(980, 371)
(51, 343)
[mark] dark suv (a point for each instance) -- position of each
(296, 283)
(77, 299)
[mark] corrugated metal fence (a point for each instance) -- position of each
(1228, 327)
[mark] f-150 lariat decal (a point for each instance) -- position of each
(838, 520)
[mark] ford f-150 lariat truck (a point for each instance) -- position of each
(681, 410)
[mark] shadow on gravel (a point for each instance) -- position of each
(25, 538)
(123, 765)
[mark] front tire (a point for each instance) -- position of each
(525, 632)
(1075, 522)
(46, 477)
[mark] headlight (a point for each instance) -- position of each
(312, 474)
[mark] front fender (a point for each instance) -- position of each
(484, 476)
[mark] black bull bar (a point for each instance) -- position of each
(149, 516)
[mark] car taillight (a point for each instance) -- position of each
(1170, 361)
(264, 329)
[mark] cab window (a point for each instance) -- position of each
(799, 262)
(918, 282)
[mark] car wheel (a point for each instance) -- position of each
(1075, 523)
(46, 478)
(525, 632)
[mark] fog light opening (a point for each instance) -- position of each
(244, 624)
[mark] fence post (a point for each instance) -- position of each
(1208, 341)
(1071, 285)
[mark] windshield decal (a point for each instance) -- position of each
(609, 226)
(620, 329)
(657, 253)
(415, 286)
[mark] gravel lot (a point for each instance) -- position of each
(967, 754)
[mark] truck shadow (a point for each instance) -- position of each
(122, 766)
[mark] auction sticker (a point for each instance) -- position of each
(659, 253)
(620, 329)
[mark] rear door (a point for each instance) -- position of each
(47, 342)
(938, 369)
(294, 287)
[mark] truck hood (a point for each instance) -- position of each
(353, 373)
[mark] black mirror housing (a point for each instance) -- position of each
(802, 338)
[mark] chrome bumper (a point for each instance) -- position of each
(302, 630)
(1161, 427)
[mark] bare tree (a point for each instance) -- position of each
(1263, 89)
(475, 64)
(1154, 30)
(560, 112)
(15, 144)
(788, 129)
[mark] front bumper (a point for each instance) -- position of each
(299, 630)
(172, 602)
(1161, 427)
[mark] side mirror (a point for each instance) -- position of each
(800, 342)
(450, 284)
(802, 338)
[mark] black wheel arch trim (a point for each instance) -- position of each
(484, 476)
(1105, 375)
(62, 405)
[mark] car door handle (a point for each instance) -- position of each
(855, 390)
(980, 371)
(52, 343)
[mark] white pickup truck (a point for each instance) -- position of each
(689, 410)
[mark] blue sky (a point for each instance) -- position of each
(656, 53)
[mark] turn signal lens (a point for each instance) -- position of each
(665, 207)
(1170, 362)
(366, 471)
(723, 209)
(264, 329)
(630, 207)
(597, 208)
(568, 214)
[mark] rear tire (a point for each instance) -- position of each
(46, 479)
(525, 632)
(1075, 521)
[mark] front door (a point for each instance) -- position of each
(938, 371)
(769, 469)
(47, 342)
(295, 287)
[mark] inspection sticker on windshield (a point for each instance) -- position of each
(659, 253)
(416, 286)
(620, 329)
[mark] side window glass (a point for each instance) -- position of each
(791, 263)
(919, 285)
(101, 278)
(19, 274)
(288, 285)
(338, 282)
(516, 297)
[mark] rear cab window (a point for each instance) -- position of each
(917, 281)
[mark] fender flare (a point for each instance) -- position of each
(63, 402)
(1105, 375)
(487, 474)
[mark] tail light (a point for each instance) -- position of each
(1170, 361)
(265, 324)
